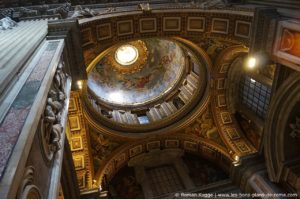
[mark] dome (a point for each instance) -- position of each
(146, 85)
(137, 73)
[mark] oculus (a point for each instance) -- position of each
(126, 55)
(128, 58)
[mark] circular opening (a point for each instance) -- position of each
(126, 55)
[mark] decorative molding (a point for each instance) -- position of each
(232, 133)
(78, 162)
(172, 23)
(27, 189)
(153, 145)
(81, 178)
(220, 25)
(221, 100)
(172, 143)
(125, 27)
(86, 35)
(196, 24)
(226, 117)
(72, 104)
(242, 29)
(76, 143)
(286, 45)
(135, 150)
(74, 123)
(79, 144)
(104, 31)
(148, 25)
(190, 146)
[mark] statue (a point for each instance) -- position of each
(80, 12)
(145, 7)
(7, 23)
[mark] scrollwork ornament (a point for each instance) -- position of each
(27, 190)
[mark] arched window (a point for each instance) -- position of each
(254, 95)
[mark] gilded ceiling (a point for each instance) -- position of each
(191, 60)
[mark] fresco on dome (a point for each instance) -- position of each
(160, 73)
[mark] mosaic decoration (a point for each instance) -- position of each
(159, 75)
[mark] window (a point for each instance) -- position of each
(143, 119)
(163, 180)
(255, 95)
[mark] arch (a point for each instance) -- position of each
(224, 118)
(188, 143)
(281, 109)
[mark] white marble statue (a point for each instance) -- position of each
(7, 23)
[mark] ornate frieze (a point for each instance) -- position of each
(78, 137)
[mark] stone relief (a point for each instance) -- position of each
(20, 12)
(51, 127)
(81, 12)
(145, 7)
(295, 128)
(27, 189)
(7, 23)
